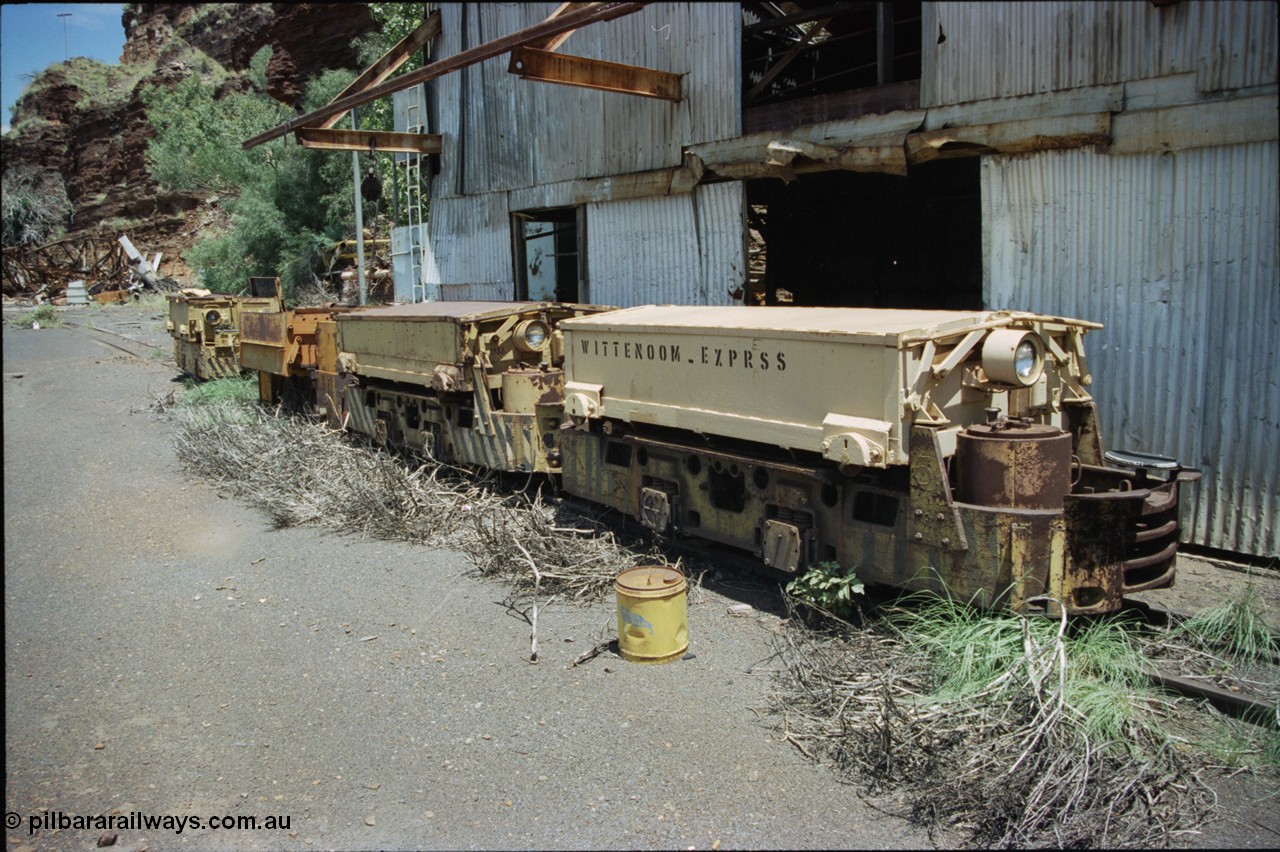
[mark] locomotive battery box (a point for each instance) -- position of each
(846, 383)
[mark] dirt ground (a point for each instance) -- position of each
(167, 653)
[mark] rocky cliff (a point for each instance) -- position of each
(83, 125)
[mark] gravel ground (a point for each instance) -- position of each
(167, 653)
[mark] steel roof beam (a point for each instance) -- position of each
(545, 66)
(390, 61)
(546, 29)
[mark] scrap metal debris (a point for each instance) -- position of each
(109, 266)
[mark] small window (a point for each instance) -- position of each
(548, 253)
(264, 288)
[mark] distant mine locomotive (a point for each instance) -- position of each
(937, 450)
(205, 326)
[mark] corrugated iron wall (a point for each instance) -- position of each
(687, 249)
(524, 148)
(680, 249)
(402, 262)
(975, 51)
(1177, 254)
(531, 133)
(469, 247)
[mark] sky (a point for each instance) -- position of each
(32, 39)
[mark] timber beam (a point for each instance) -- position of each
(529, 63)
(365, 140)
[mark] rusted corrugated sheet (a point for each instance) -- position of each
(686, 249)
(529, 132)
(469, 242)
(1177, 254)
(502, 292)
(976, 51)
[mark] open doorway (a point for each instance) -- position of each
(847, 239)
(548, 251)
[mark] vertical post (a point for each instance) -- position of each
(355, 170)
(66, 51)
(395, 190)
(884, 43)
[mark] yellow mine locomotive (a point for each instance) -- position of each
(284, 346)
(205, 326)
(926, 449)
(474, 383)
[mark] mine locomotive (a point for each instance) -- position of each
(287, 349)
(953, 451)
(205, 326)
(471, 383)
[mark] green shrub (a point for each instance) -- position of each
(47, 315)
(828, 587)
(219, 393)
(284, 201)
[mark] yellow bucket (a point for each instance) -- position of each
(653, 625)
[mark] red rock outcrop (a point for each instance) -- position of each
(99, 147)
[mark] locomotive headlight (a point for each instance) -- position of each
(1026, 360)
(1013, 357)
(213, 317)
(532, 335)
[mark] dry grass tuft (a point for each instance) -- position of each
(565, 553)
(993, 730)
(300, 472)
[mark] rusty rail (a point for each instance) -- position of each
(1237, 704)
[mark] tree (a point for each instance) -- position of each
(33, 204)
(285, 202)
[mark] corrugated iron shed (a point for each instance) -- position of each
(1163, 226)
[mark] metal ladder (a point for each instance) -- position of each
(413, 202)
